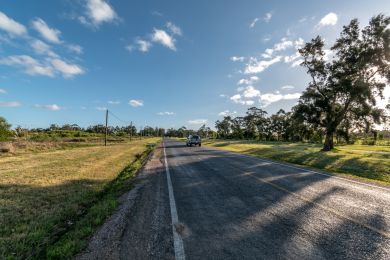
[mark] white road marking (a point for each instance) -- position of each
(177, 241)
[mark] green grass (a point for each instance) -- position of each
(369, 162)
(50, 202)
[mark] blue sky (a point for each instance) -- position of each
(159, 63)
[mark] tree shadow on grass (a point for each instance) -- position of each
(32, 217)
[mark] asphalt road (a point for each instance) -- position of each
(231, 206)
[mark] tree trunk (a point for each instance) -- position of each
(328, 144)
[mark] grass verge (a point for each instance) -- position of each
(368, 162)
(51, 202)
(76, 238)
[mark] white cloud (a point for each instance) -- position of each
(10, 104)
(75, 48)
(267, 17)
(236, 97)
(302, 20)
(28, 64)
(299, 43)
(143, 45)
(247, 94)
(3, 91)
(166, 113)
(49, 67)
(42, 48)
(53, 107)
(99, 11)
(227, 113)
(253, 23)
(249, 81)
(174, 28)
(250, 92)
(197, 122)
(248, 102)
(292, 96)
(269, 98)
(256, 66)
(296, 63)
(66, 69)
(136, 103)
(11, 26)
(160, 36)
(266, 38)
(222, 95)
(291, 58)
(129, 47)
(235, 58)
(157, 36)
(239, 100)
(288, 87)
(50, 34)
(116, 102)
(329, 19)
(283, 45)
(267, 53)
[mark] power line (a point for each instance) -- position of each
(117, 117)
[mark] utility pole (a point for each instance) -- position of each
(105, 136)
(131, 130)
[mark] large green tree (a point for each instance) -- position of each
(351, 80)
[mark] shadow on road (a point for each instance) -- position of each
(238, 207)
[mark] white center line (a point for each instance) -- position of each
(177, 241)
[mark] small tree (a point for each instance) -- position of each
(5, 129)
(224, 127)
(357, 74)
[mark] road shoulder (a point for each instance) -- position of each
(140, 228)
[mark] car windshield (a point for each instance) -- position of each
(195, 137)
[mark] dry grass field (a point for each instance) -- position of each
(43, 191)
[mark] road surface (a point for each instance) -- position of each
(231, 206)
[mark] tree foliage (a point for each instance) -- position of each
(5, 129)
(344, 89)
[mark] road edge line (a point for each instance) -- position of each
(177, 241)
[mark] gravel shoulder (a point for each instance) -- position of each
(141, 227)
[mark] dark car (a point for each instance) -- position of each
(194, 140)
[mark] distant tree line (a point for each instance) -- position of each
(74, 130)
(204, 131)
(291, 127)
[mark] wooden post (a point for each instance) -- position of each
(131, 130)
(105, 136)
